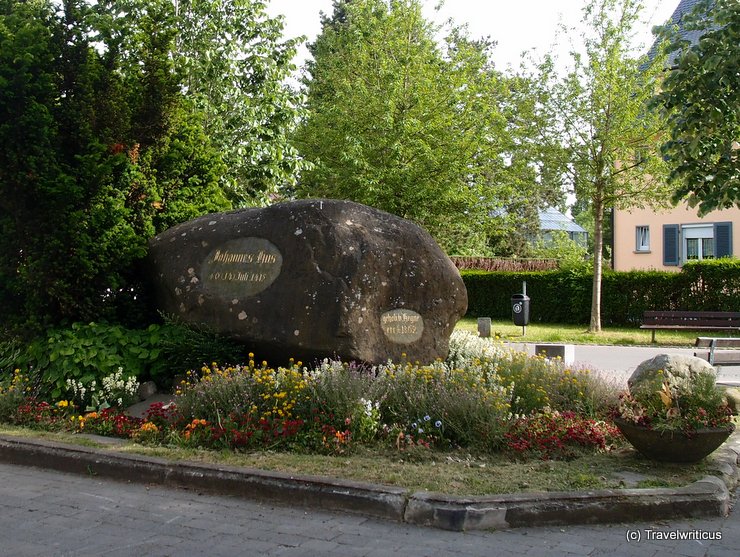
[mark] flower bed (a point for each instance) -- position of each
(483, 399)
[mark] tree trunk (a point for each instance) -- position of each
(595, 324)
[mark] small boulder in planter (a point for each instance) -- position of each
(674, 411)
(677, 369)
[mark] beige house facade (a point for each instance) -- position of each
(665, 240)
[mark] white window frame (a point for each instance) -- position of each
(696, 232)
(642, 239)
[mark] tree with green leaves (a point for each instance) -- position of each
(233, 63)
(701, 96)
(99, 155)
(612, 139)
(420, 129)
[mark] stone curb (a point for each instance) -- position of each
(709, 496)
(309, 491)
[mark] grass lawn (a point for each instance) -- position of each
(578, 334)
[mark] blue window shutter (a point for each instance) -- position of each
(670, 244)
(723, 239)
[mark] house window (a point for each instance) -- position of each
(692, 242)
(698, 242)
(642, 238)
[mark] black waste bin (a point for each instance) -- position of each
(520, 309)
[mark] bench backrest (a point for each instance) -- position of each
(695, 318)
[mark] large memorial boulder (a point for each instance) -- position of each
(311, 279)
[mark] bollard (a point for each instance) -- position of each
(484, 327)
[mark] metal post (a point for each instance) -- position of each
(524, 291)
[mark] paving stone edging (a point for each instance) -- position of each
(709, 496)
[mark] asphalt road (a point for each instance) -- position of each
(44, 513)
(618, 362)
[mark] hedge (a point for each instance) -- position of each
(564, 296)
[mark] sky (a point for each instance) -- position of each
(516, 25)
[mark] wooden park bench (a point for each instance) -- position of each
(721, 351)
(691, 321)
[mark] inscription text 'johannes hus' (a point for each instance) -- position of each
(242, 267)
(402, 326)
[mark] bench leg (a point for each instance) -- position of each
(653, 336)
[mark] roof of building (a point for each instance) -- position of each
(552, 219)
(684, 8)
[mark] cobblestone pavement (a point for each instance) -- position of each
(45, 513)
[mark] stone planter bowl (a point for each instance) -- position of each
(673, 446)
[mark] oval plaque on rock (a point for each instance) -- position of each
(242, 267)
(402, 326)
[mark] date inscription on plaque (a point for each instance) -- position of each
(402, 326)
(242, 267)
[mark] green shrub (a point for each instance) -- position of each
(185, 347)
(89, 352)
(564, 296)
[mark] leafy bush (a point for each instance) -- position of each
(88, 353)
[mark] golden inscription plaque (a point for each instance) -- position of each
(402, 326)
(242, 267)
